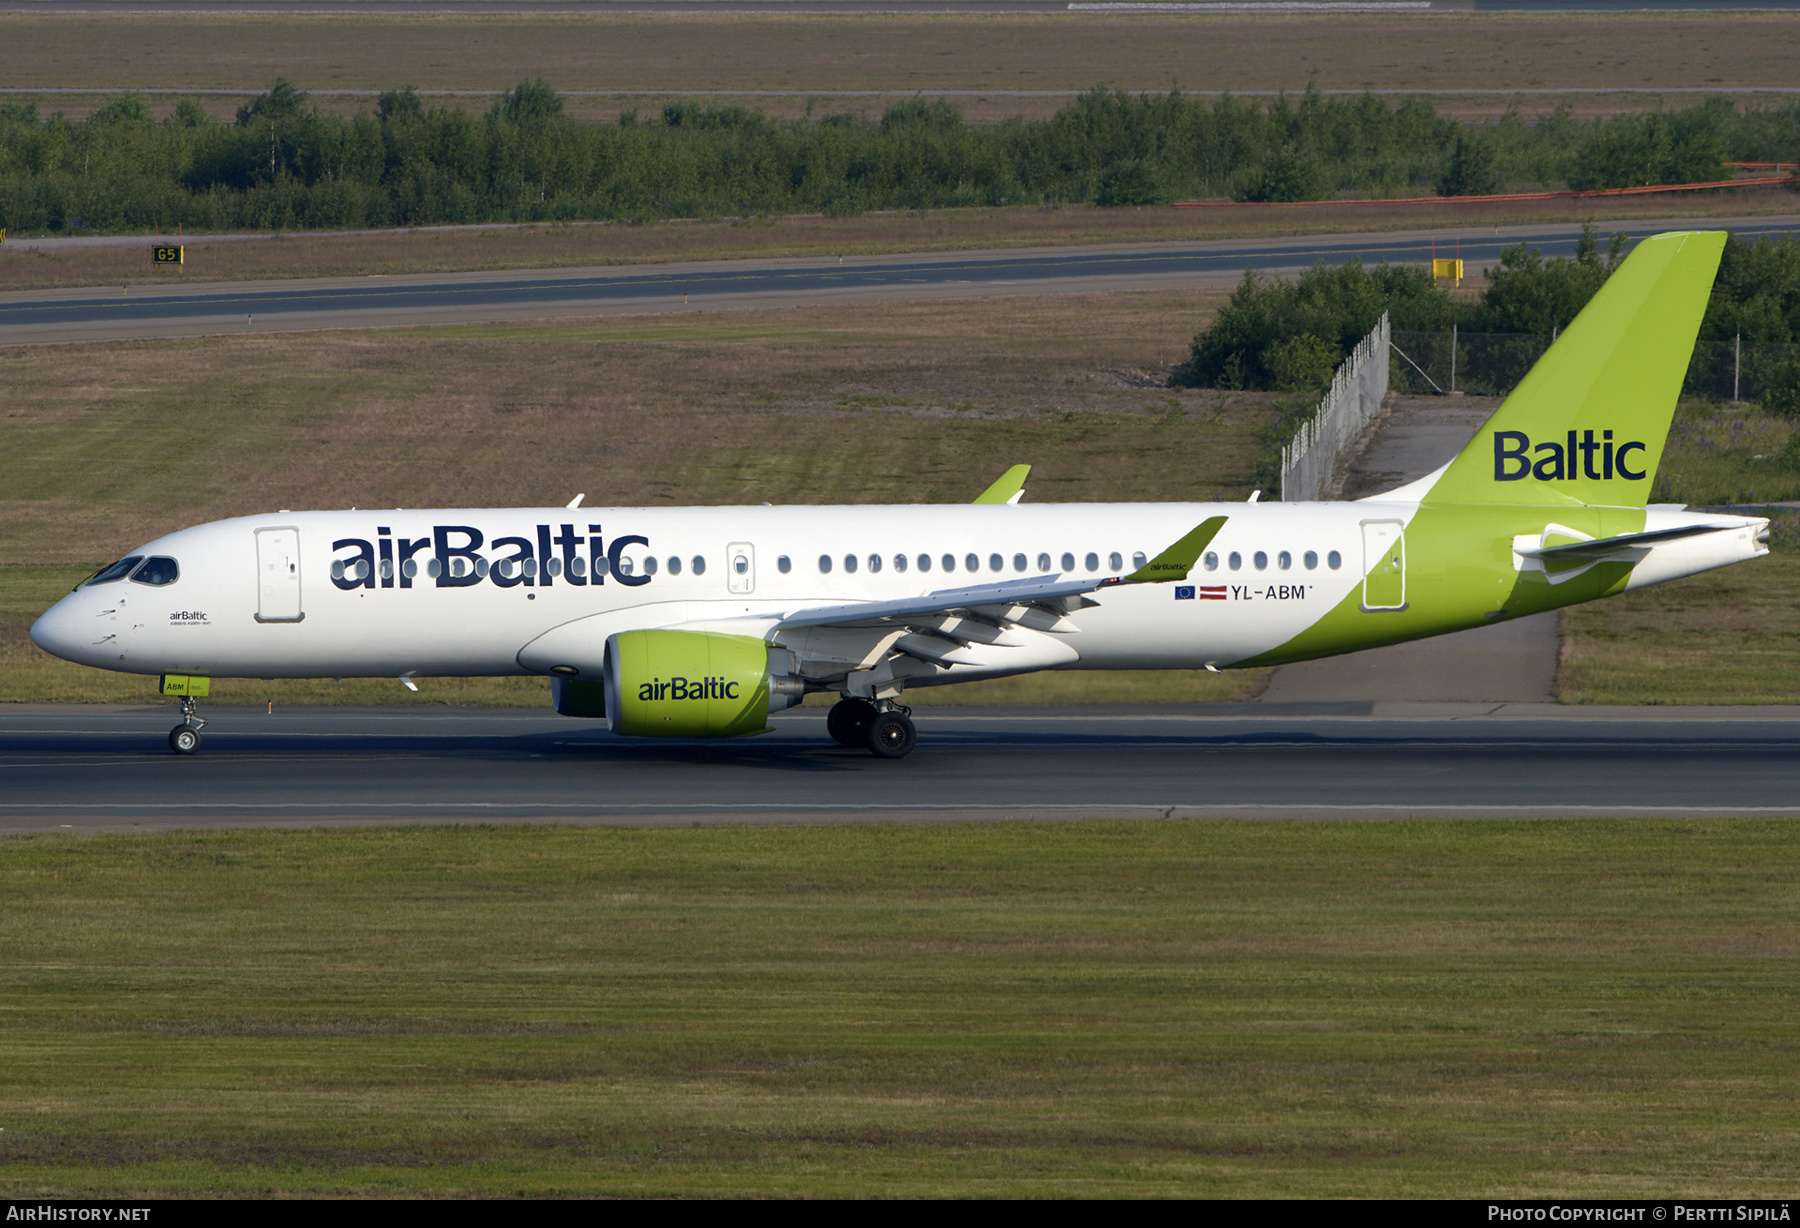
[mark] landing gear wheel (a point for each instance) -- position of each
(184, 739)
(892, 736)
(848, 722)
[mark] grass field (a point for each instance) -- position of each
(1730, 636)
(1520, 1009)
(795, 58)
(561, 246)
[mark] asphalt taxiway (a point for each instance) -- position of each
(76, 768)
(90, 314)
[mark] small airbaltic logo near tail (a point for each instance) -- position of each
(1569, 460)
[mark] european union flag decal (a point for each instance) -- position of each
(1184, 592)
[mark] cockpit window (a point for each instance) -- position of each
(118, 571)
(157, 570)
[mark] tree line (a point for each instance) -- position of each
(1292, 336)
(284, 163)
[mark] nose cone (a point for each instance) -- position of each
(58, 633)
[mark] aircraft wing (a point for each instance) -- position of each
(976, 630)
(1049, 592)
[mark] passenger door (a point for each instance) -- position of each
(1384, 565)
(278, 576)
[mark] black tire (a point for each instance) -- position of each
(848, 722)
(184, 739)
(892, 736)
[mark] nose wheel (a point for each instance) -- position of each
(184, 739)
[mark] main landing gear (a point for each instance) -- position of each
(883, 728)
(184, 739)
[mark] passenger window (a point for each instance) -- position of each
(1092, 561)
(1261, 560)
(1284, 560)
(1019, 563)
(362, 568)
(387, 569)
(874, 562)
(924, 562)
(1139, 558)
(118, 571)
(1211, 561)
(552, 567)
(1334, 560)
(434, 569)
(410, 568)
(698, 563)
(674, 566)
(1115, 561)
(1235, 561)
(649, 566)
(1068, 561)
(601, 566)
(578, 567)
(504, 567)
(850, 563)
(995, 562)
(1043, 562)
(624, 567)
(783, 564)
(971, 562)
(949, 561)
(740, 564)
(899, 562)
(1311, 559)
(824, 564)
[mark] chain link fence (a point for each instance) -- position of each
(1309, 462)
(1491, 364)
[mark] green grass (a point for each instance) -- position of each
(1725, 637)
(1467, 1009)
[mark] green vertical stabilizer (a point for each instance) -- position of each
(1587, 424)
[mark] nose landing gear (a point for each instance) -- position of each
(883, 728)
(184, 739)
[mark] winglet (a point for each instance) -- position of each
(1009, 489)
(1175, 562)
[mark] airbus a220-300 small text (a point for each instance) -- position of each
(699, 622)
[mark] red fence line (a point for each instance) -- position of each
(1463, 200)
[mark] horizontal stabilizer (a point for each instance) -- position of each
(1625, 541)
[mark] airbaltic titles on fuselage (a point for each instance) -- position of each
(454, 559)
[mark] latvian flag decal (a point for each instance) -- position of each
(1212, 592)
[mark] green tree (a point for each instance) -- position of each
(527, 101)
(400, 104)
(1472, 169)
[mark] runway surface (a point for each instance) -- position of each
(37, 317)
(81, 768)
(827, 7)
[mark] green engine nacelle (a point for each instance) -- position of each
(695, 684)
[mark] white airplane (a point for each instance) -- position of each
(699, 622)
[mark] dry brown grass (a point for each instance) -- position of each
(439, 251)
(795, 54)
(880, 403)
